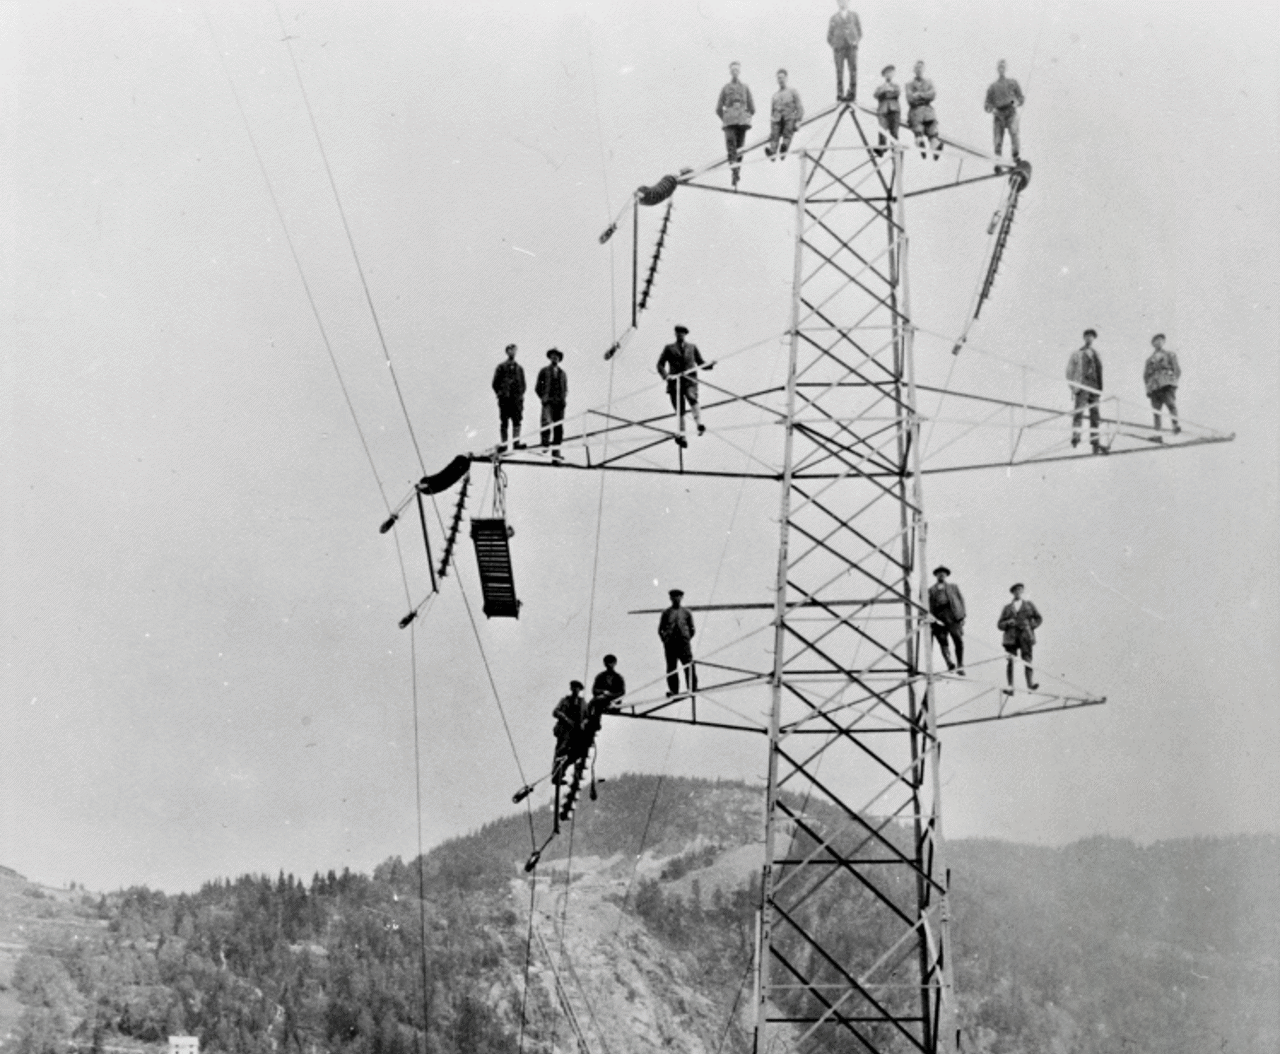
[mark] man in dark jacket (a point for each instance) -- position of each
(1084, 378)
(552, 387)
(568, 715)
(844, 32)
(675, 628)
(678, 364)
(509, 387)
(946, 605)
(609, 686)
(735, 108)
(1019, 620)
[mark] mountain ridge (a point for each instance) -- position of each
(637, 935)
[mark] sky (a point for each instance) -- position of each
(202, 669)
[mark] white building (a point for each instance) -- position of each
(184, 1045)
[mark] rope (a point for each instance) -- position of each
(364, 283)
(613, 328)
(422, 877)
(297, 262)
(564, 907)
(528, 955)
(733, 1009)
(645, 833)
(373, 468)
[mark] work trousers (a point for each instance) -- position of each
(1085, 398)
(946, 633)
(846, 56)
(679, 653)
(1166, 397)
(889, 122)
(780, 133)
(510, 412)
(684, 389)
(1002, 119)
(735, 137)
(1021, 650)
(552, 424)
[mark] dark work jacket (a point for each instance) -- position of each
(1020, 626)
(676, 624)
(609, 685)
(552, 385)
(679, 358)
(945, 602)
(508, 380)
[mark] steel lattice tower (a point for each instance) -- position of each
(851, 672)
(852, 708)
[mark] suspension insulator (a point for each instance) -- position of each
(659, 192)
(532, 862)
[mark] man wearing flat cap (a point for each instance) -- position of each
(678, 364)
(608, 687)
(1084, 378)
(946, 605)
(1019, 620)
(675, 628)
(1161, 374)
(552, 388)
(568, 716)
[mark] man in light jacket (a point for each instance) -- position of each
(785, 114)
(1161, 375)
(1004, 96)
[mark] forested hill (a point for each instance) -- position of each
(1102, 946)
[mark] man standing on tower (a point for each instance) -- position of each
(675, 628)
(843, 34)
(946, 605)
(786, 113)
(1161, 374)
(1084, 378)
(920, 116)
(1019, 620)
(509, 387)
(552, 387)
(888, 109)
(735, 109)
(678, 364)
(1003, 99)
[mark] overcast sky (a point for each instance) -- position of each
(203, 674)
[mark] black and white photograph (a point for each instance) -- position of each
(600, 527)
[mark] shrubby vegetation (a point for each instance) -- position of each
(1103, 946)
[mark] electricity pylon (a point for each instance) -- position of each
(851, 706)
